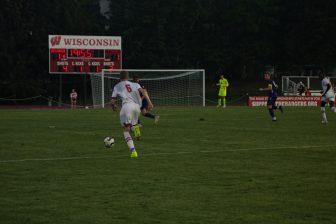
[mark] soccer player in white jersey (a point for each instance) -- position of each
(129, 93)
(328, 95)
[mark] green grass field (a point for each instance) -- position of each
(236, 166)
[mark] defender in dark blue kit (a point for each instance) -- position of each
(272, 89)
(144, 107)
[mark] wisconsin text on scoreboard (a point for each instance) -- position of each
(84, 54)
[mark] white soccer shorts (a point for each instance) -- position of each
(330, 96)
(129, 114)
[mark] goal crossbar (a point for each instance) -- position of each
(172, 82)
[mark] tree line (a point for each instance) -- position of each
(238, 37)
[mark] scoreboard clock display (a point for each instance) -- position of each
(84, 54)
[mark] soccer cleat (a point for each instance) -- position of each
(324, 122)
(224, 106)
(156, 119)
(137, 132)
(274, 119)
(134, 154)
(281, 109)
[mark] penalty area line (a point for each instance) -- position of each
(168, 153)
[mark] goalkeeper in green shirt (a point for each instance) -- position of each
(223, 85)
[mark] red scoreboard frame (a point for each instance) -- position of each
(84, 54)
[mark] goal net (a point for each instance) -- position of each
(290, 84)
(165, 87)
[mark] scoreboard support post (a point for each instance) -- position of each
(103, 90)
(83, 55)
(60, 91)
(85, 92)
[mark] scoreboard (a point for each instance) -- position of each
(84, 54)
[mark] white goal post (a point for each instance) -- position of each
(166, 87)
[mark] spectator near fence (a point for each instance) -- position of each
(301, 88)
(73, 98)
(308, 92)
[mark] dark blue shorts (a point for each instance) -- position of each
(272, 99)
(144, 104)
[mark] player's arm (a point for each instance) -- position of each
(142, 96)
(113, 100)
(113, 103)
(226, 83)
(268, 88)
(328, 88)
(145, 95)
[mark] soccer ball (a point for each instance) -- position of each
(109, 142)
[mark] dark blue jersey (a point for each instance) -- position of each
(273, 87)
(140, 92)
(144, 101)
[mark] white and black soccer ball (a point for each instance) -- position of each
(109, 142)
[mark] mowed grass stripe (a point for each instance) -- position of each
(320, 147)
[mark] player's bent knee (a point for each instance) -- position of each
(323, 109)
(127, 127)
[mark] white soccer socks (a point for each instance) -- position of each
(324, 115)
(129, 140)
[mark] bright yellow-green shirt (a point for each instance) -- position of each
(223, 83)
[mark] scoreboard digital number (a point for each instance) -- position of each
(84, 54)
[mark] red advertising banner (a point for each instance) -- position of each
(291, 101)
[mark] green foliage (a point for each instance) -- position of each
(239, 37)
(25, 26)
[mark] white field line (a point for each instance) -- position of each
(169, 153)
